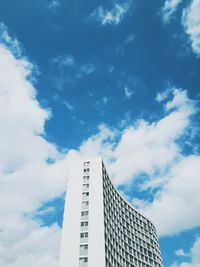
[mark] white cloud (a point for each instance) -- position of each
(100, 144)
(85, 69)
(190, 20)
(110, 69)
(175, 206)
(169, 9)
(13, 44)
(152, 148)
(54, 4)
(114, 16)
(191, 23)
(130, 38)
(181, 253)
(128, 92)
(63, 60)
(68, 105)
(29, 244)
(178, 195)
(45, 211)
(105, 100)
(70, 70)
(82, 122)
(181, 102)
(144, 147)
(139, 203)
(163, 95)
(193, 254)
(27, 179)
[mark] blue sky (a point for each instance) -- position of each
(113, 78)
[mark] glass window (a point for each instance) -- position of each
(84, 226)
(84, 237)
(84, 223)
(85, 205)
(83, 261)
(85, 195)
(83, 250)
(85, 187)
(86, 178)
(84, 215)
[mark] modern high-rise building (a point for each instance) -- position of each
(100, 228)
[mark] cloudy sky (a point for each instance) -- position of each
(113, 78)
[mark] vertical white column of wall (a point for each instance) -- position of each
(69, 253)
(96, 243)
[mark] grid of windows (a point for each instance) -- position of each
(83, 251)
(130, 238)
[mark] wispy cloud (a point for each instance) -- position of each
(181, 252)
(54, 4)
(190, 20)
(169, 8)
(114, 16)
(99, 105)
(128, 92)
(69, 70)
(193, 256)
(130, 38)
(14, 45)
(63, 61)
(45, 211)
(163, 95)
(85, 70)
(110, 69)
(68, 105)
(191, 23)
(105, 100)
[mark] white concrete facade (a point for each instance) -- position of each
(70, 244)
(100, 228)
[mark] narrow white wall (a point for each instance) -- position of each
(69, 254)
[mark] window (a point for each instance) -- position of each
(83, 250)
(84, 226)
(84, 223)
(85, 187)
(85, 194)
(84, 215)
(84, 237)
(85, 205)
(86, 163)
(85, 170)
(86, 178)
(83, 259)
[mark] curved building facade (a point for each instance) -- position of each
(100, 228)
